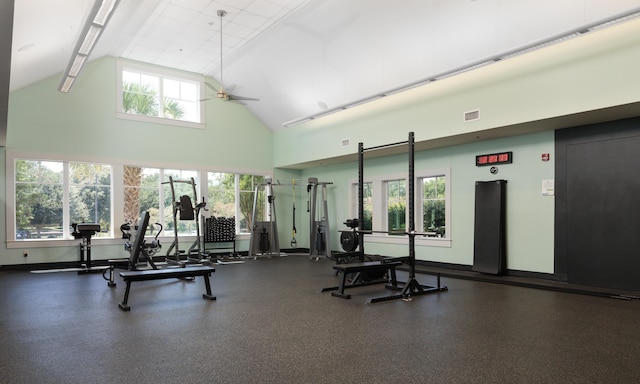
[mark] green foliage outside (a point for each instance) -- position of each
(434, 205)
(246, 187)
(142, 99)
(39, 197)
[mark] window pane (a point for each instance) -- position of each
(190, 111)
(182, 186)
(247, 186)
(433, 205)
(141, 193)
(367, 191)
(222, 194)
(171, 88)
(39, 197)
(140, 94)
(188, 91)
(90, 195)
(176, 99)
(396, 205)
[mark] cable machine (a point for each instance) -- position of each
(264, 234)
(319, 244)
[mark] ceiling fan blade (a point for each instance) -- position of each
(236, 97)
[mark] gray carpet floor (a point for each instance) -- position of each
(271, 324)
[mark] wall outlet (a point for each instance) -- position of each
(25, 253)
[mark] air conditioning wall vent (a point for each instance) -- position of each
(471, 115)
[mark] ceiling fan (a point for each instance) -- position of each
(222, 93)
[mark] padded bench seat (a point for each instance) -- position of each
(166, 273)
(367, 266)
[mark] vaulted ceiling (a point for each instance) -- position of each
(299, 57)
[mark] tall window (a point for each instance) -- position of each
(367, 199)
(147, 94)
(246, 194)
(222, 194)
(396, 204)
(39, 199)
(141, 193)
(50, 196)
(433, 207)
(182, 186)
(90, 195)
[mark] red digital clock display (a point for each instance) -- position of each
(494, 158)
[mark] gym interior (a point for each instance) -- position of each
(481, 228)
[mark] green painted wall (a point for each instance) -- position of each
(529, 213)
(595, 71)
(591, 72)
(83, 124)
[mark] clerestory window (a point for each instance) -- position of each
(159, 96)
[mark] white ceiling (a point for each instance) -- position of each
(299, 57)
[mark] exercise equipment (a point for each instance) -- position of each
(349, 240)
(184, 210)
(85, 231)
(412, 287)
(156, 274)
(264, 234)
(141, 252)
(319, 242)
(294, 242)
(220, 231)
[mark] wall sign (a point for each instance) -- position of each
(494, 159)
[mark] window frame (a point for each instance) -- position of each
(67, 238)
(122, 65)
(425, 174)
(379, 207)
(117, 199)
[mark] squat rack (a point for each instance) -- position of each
(412, 286)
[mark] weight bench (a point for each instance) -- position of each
(167, 273)
(368, 266)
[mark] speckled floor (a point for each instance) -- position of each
(270, 324)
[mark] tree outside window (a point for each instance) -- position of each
(247, 186)
(144, 94)
(39, 199)
(434, 205)
(141, 193)
(90, 195)
(396, 206)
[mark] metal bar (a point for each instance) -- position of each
(385, 145)
(361, 196)
(412, 212)
(399, 233)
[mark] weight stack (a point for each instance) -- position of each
(489, 241)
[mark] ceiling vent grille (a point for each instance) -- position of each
(471, 115)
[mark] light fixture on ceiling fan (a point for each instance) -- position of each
(222, 93)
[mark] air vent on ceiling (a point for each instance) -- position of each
(345, 143)
(471, 115)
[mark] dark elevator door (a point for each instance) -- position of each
(603, 213)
